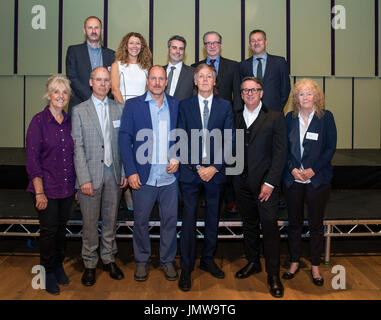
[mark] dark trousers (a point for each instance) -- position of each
(255, 213)
(190, 193)
(316, 200)
(53, 221)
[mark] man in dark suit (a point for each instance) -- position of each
(154, 180)
(257, 188)
(180, 76)
(205, 167)
(82, 58)
(272, 70)
(228, 81)
(227, 84)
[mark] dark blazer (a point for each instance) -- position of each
(267, 147)
(317, 154)
(137, 116)
(221, 117)
(276, 80)
(184, 88)
(228, 82)
(78, 69)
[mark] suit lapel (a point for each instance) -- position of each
(257, 124)
(113, 117)
(146, 112)
(295, 136)
(86, 60)
(212, 113)
(196, 111)
(93, 116)
(181, 76)
(315, 128)
(268, 67)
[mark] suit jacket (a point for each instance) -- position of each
(78, 69)
(228, 82)
(317, 154)
(184, 88)
(137, 116)
(267, 147)
(220, 117)
(89, 143)
(276, 80)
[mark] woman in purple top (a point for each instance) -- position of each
(49, 163)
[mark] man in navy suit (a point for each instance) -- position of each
(273, 72)
(151, 176)
(82, 58)
(205, 167)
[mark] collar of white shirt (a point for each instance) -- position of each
(251, 116)
(178, 66)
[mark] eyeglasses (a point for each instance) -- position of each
(252, 90)
(214, 43)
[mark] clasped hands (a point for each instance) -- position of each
(302, 175)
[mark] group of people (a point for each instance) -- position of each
(96, 152)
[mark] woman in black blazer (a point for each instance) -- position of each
(312, 138)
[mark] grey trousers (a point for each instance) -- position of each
(105, 203)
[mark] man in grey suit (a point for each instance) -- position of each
(100, 174)
(180, 76)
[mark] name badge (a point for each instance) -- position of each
(116, 123)
(312, 136)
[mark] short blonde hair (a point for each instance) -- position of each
(54, 81)
(319, 100)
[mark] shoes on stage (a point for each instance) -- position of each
(170, 272)
(288, 275)
(51, 283)
(248, 270)
(88, 277)
(317, 281)
(276, 287)
(231, 207)
(114, 271)
(185, 280)
(141, 273)
(213, 269)
(61, 276)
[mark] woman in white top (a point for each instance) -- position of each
(129, 70)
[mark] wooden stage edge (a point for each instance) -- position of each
(362, 282)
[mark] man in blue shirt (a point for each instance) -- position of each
(152, 174)
(82, 58)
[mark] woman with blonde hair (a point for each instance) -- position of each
(312, 138)
(50, 167)
(129, 71)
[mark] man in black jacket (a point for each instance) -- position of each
(82, 58)
(257, 187)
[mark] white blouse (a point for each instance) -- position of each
(132, 80)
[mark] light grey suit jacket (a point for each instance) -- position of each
(89, 143)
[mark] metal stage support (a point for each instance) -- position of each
(227, 229)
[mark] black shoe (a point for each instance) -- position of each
(61, 276)
(88, 278)
(317, 281)
(276, 287)
(185, 281)
(248, 270)
(115, 272)
(288, 275)
(51, 283)
(213, 269)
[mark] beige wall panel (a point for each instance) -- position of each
(127, 16)
(310, 37)
(354, 46)
(222, 16)
(338, 95)
(11, 122)
(38, 48)
(367, 113)
(269, 16)
(74, 15)
(34, 92)
(173, 17)
(6, 36)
